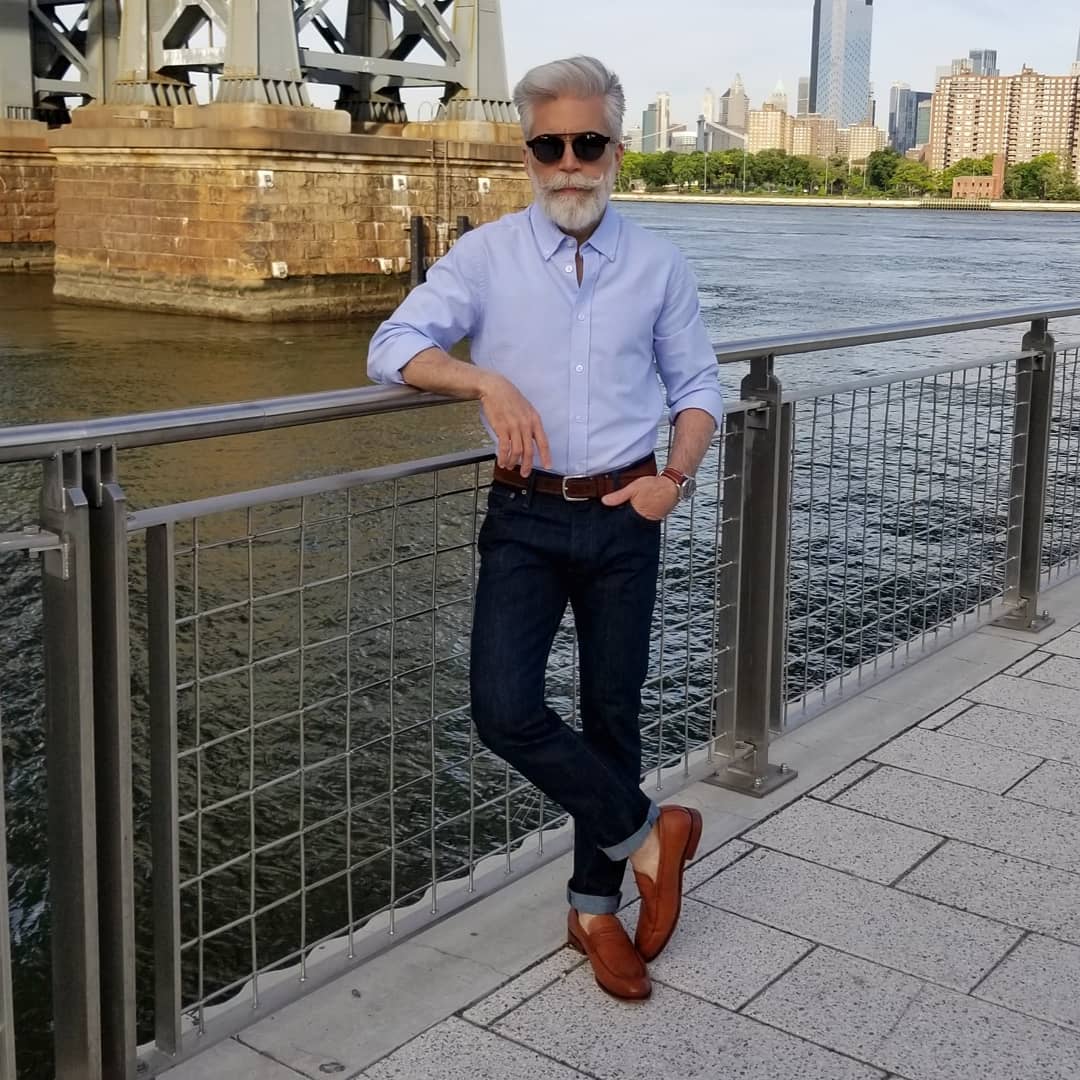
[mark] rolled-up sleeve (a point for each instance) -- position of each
(437, 314)
(684, 355)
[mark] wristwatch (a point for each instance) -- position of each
(687, 485)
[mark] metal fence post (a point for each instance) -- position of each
(1027, 488)
(112, 760)
(69, 710)
(164, 783)
(757, 497)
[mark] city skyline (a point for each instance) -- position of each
(683, 59)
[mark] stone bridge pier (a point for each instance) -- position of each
(257, 205)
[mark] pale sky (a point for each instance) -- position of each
(682, 46)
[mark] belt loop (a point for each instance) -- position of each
(530, 488)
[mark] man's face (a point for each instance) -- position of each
(573, 193)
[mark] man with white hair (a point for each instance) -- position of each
(572, 311)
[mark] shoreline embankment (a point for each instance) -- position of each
(854, 203)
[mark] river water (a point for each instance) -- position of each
(762, 271)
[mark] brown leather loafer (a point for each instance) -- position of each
(617, 967)
(661, 900)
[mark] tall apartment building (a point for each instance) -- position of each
(708, 104)
(663, 120)
(840, 59)
(904, 106)
(804, 96)
(814, 136)
(1018, 116)
(983, 61)
(734, 106)
(859, 141)
(922, 122)
(772, 128)
(769, 128)
(649, 128)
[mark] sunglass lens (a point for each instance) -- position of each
(547, 149)
(590, 147)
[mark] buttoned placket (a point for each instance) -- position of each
(580, 333)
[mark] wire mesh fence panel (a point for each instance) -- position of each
(1061, 538)
(900, 520)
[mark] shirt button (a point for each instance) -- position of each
(581, 318)
(580, 367)
(569, 269)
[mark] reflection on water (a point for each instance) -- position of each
(341, 711)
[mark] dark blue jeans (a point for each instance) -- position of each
(537, 552)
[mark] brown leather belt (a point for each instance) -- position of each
(576, 488)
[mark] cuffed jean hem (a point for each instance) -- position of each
(630, 845)
(593, 905)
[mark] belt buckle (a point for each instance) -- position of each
(574, 498)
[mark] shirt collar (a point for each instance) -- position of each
(549, 237)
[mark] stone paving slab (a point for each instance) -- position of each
(710, 865)
(1009, 730)
(1061, 671)
(943, 716)
(1029, 696)
(962, 813)
(1065, 645)
(1041, 978)
(905, 932)
(233, 1060)
(723, 958)
(1000, 887)
(960, 760)
(1051, 784)
(842, 781)
(530, 982)
(672, 1035)
(455, 1049)
(903, 1024)
(829, 835)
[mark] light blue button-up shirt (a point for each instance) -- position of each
(586, 356)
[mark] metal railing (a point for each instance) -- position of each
(261, 766)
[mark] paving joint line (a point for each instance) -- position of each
(1001, 960)
(265, 1054)
(579, 1069)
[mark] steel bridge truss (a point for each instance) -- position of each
(261, 51)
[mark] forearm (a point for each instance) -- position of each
(694, 429)
(439, 373)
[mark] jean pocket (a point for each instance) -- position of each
(649, 523)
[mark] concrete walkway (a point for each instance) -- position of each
(908, 908)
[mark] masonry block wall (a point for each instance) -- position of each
(27, 201)
(263, 225)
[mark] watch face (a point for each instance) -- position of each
(688, 488)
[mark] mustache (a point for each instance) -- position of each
(577, 183)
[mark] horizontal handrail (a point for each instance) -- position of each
(734, 352)
(35, 442)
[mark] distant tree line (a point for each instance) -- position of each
(885, 173)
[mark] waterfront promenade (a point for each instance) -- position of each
(907, 908)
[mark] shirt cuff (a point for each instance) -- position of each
(708, 400)
(388, 357)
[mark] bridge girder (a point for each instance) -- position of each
(264, 51)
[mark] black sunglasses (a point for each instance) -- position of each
(589, 146)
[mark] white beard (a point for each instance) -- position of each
(573, 213)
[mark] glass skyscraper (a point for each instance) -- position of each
(904, 117)
(840, 60)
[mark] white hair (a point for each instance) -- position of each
(577, 77)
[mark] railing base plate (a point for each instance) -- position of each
(757, 785)
(1022, 621)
